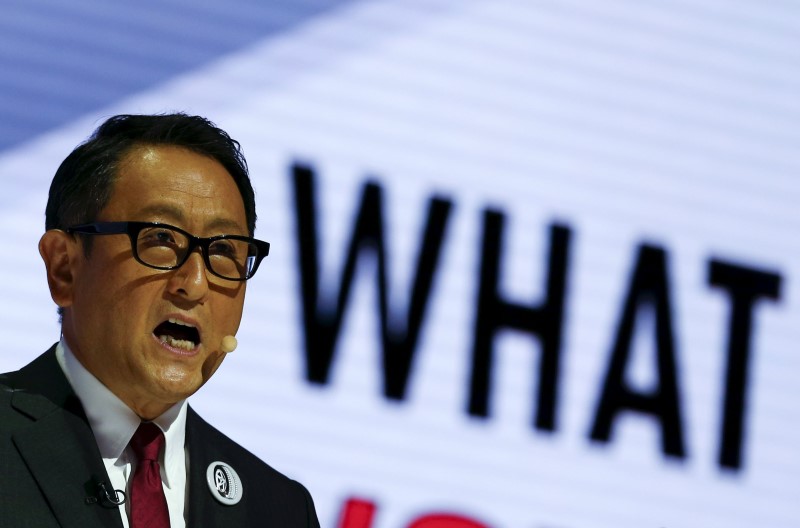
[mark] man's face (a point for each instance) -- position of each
(120, 308)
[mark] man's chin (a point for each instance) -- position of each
(174, 385)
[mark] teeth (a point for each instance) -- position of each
(177, 343)
(179, 322)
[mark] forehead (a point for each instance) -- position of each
(176, 185)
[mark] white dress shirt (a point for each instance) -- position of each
(114, 423)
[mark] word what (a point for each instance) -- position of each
(648, 292)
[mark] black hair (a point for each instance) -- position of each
(84, 182)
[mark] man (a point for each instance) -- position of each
(148, 248)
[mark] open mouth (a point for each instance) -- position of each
(178, 334)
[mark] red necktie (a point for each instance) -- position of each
(148, 503)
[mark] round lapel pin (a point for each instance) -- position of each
(224, 483)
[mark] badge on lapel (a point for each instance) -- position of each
(224, 483)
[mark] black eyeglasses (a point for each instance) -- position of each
(166, 247)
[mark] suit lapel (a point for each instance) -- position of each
(204, 510)
(59, 447)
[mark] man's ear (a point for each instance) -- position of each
(61, 253)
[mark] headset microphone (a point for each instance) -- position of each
(229, 344)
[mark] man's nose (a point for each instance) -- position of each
(190, 281)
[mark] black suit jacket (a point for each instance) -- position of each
(50, 465)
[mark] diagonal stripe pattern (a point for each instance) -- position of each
(148, 503)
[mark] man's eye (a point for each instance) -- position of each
(223, 248)
(159, 237)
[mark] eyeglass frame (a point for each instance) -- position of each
(132, 229)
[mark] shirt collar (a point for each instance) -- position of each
(113, 423)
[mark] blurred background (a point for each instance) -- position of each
(532, 262)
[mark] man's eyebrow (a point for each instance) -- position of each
(175, 214)
(170, 211)
(226, 225)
